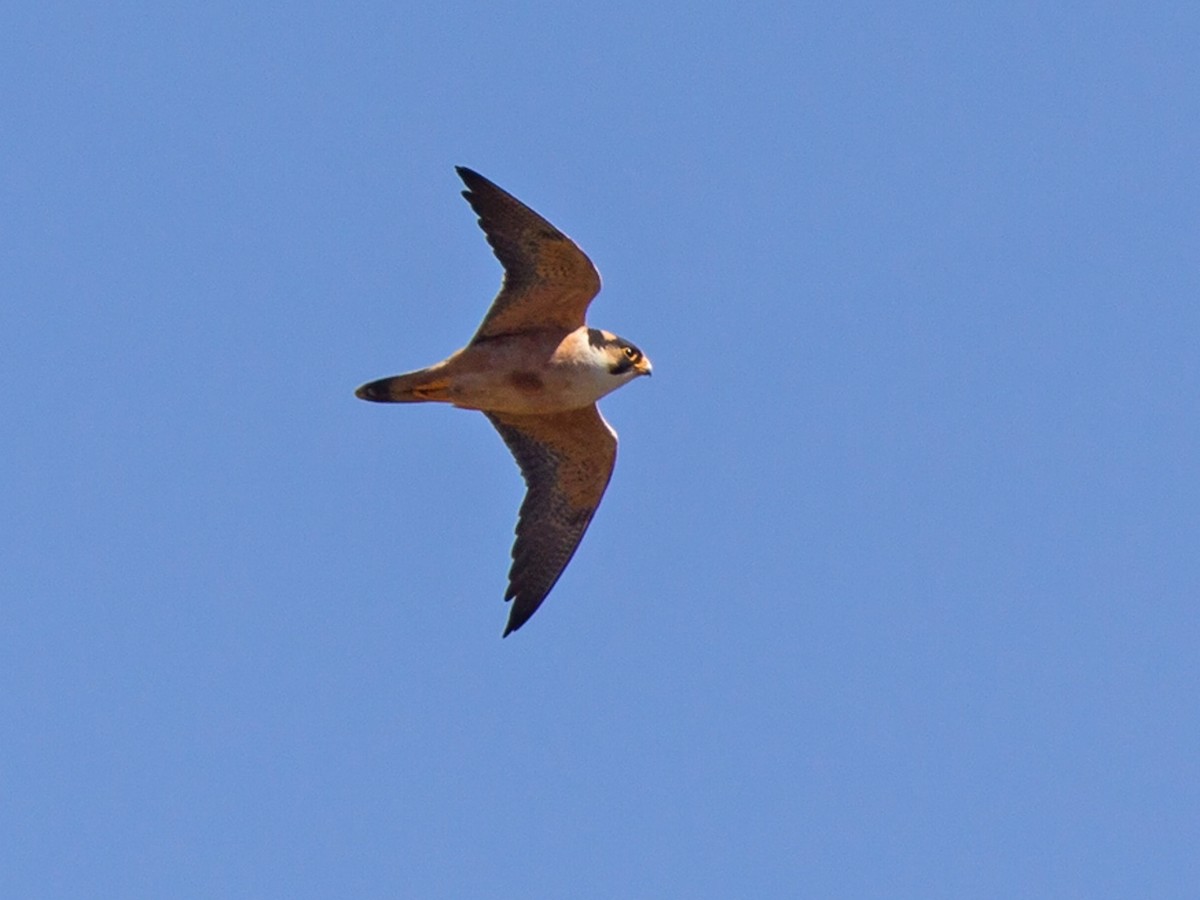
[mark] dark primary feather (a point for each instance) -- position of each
(566, 459)
(548, 280)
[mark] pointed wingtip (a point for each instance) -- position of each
(515, 621)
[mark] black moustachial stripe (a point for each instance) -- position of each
(602, 341)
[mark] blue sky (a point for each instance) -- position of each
(893, 594)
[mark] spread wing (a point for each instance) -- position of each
(566, 459)
(548, 281)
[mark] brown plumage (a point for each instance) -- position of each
(548, 281)
(536, 370)
(566, 459)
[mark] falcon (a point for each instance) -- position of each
(536, 370)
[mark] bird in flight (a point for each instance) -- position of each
(536, 370)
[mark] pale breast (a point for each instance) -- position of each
(529, 373)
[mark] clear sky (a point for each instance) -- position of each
(895, 590)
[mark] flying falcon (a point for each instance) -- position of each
(536, 370)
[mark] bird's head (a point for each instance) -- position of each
(624, 359)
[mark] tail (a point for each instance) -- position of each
(411, 387)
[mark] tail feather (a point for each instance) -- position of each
(412, 387)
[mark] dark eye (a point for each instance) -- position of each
(632, 354)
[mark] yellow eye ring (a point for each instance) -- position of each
(631, 353)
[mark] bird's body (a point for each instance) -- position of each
(536, 370)
(528, 373)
